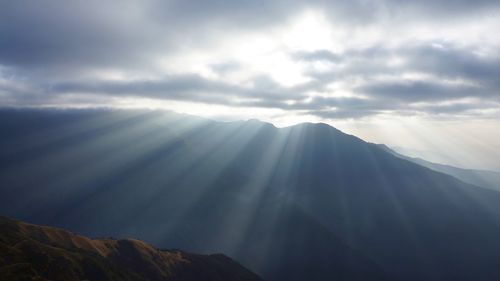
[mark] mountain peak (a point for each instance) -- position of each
(254, 121)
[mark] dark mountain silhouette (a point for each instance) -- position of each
(488, 179)
(33, 252)
(306, 202)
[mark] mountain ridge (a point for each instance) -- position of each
(482, 178)
(306, 202)
(48, 253)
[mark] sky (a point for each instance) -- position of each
(423, 76)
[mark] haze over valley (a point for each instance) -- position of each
(250, 140)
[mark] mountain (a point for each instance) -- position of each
(306, 202)
(487, 179)
(33, 252)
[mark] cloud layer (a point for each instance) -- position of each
(329, 59)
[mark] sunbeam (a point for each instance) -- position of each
(250, 140)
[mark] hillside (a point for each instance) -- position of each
(32, 252)
(306, 202)
(487, 179)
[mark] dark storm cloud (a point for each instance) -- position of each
(46, 48)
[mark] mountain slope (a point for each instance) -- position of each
(32, 252)
(488, 179)
(306, 202)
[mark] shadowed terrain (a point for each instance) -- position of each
(32, 252)
(306, 202)
(487, 179)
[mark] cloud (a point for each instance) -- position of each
(423, 72)
(418, 91)
(182, 87)
(385, 56)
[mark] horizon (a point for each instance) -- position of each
(300, 139)
(313, 140)
(422, 75)
(407, 150)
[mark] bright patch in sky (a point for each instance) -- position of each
(378, 69)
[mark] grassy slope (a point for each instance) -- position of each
(31, 252)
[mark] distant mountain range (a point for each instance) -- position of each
(33, 252)
(488, 179)
(306, 202)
